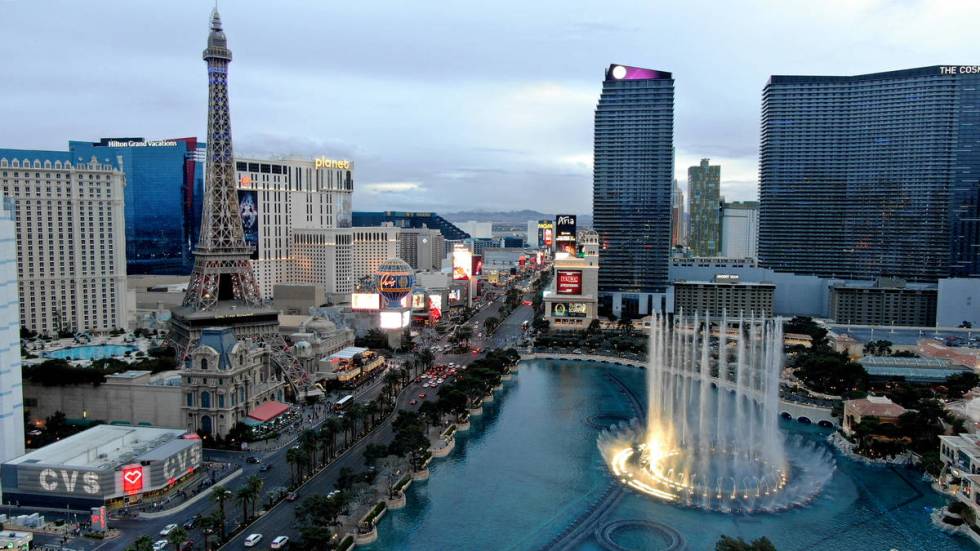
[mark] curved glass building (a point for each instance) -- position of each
(872, 175)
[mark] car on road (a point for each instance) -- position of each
(422, 396)
(280, 542)
(413, 402)
(189, 523)
(160, 545)
(292, 496)
(167, 529)
(265, 468)
(252, 540)
(252, 459)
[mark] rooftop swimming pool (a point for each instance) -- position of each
(528, 472)
(90, 352)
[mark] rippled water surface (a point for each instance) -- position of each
(529, 467)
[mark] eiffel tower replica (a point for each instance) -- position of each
(222, 291)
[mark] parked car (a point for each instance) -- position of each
(252, 540)
(280, 542)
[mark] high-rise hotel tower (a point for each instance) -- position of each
(872, 175)
(631, 194)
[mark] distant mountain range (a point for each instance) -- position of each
(509, 217)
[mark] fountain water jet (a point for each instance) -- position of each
(711, 437)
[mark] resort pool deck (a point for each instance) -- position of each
(90, 352)
(529, 469)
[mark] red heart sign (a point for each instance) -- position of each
(132, 476)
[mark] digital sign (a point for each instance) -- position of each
(569, 310)
(248, 206)
(132, 479)
(565, 228)
(521, 261)
(477, 266)
(395, 320)
(625, 72)
(418, 301)
(546, 233)
(455, 296)
(569, 282)
(365, 301)
(435, 307)
(462, 263)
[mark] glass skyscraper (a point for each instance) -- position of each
(872, 175)
(163, 199)
(631, 194)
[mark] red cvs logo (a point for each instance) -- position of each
(132, 476)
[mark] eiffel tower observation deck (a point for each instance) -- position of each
(223, 291)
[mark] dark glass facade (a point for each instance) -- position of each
(403, 219)
(633, 180)
(164, 190)
(872, 175)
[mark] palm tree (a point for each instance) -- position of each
(143, 543)
(332, 427)
(243, 495)
(347, 424)
(220, 494)
(254, 484)
(307, 443)
(292, 458)
(323, 440)
(177, 537)
(356, 413)
(372, 410)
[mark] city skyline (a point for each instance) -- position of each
(519, 114)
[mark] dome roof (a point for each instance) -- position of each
(394, 265)
(303, 349)
(320, 325)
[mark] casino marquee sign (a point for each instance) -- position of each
(41, 484)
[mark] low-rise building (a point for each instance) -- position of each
(725, 293)
(960, 475)
(571, 301)
(105, 465)
(888, 301)
(913, 370)
(880, 407)
(18, 541)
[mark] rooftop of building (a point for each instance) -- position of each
(105, 447)
(899, 361)
(875, 406)
(930, 71)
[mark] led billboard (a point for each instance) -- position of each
(546, 233)
(395, 320)
(569, 282)
(569, 310)
(565, 228)
(477, 266)
(435, 307)
(248, 207)
(365, 301)
(462, 263)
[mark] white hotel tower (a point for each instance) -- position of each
(11, 395)
(290, 195)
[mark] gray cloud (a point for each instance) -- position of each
(483, 106)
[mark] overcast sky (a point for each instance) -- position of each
(447, 105)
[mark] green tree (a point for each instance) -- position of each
(176, 537)
(878, 348)
(244, 495)
(142, 543)
(220, 494)
(727, 543)
(254, 485)
(293, 459)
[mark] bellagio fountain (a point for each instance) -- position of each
(711, 438)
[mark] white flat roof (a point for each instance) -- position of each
(101, 446)
(348, 353)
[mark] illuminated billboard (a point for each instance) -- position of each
(435, 307)
(569, 310)
(248, 207)
(569, 282)
(365, 301)
(521, 261)
(546, 233)
(477, 265)
(418, 300)
(395, 320)
(565, 228)
(455, 296)
(462, 263)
